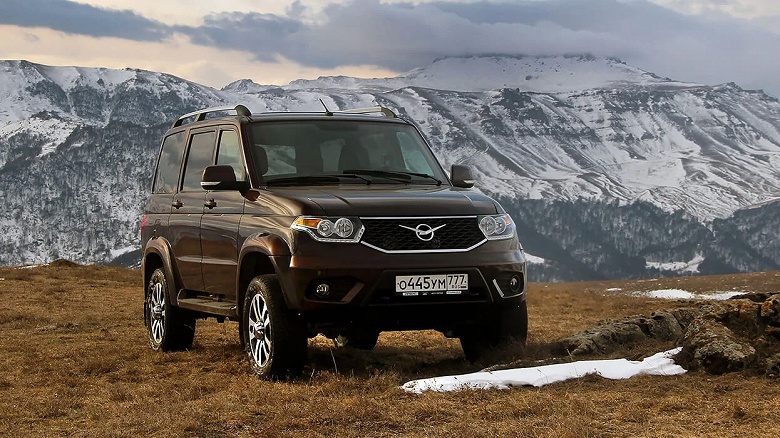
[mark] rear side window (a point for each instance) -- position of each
(229, 153)
(198, 158)
(170, 159)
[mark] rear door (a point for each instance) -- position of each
(187, 211)
(221, 217)
(166, 181)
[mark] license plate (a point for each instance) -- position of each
(444, 284)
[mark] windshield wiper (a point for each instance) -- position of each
(313, 179)
(403, 176)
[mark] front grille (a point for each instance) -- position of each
(455, 234)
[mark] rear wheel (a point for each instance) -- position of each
(508, 324)
(275, 337)
(170, 328)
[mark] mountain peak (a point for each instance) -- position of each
(247, 86)
(541, 74)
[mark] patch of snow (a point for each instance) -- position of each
(32, 266)
(116, 252)
(2, 279)
(689, 267)
(659, 364)
(679, 294)
(614, 289)
(534, 260)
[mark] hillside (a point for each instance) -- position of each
(77, 146)
(93, 374)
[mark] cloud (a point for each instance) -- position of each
(395, 36)
(399, 36)
(81, 19)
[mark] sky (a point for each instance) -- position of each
(276, 41)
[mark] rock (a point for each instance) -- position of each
(756, 297)
(713, 347)
(770, 311)
(721, 337)
(608, 336)
(772, 366)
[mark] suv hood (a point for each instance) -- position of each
(381, 200)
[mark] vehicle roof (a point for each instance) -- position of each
(288, 116)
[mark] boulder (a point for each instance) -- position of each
(770, 311)
(713, 347)
(607, 336)
(720, 337)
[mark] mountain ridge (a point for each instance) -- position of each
(707, 150)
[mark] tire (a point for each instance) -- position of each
(169, 328)
(275, 337)
(510, 324)
(364, 340)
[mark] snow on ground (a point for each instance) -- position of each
(32, 266)
(659, 364)
(679, 294)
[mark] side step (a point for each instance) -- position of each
(205, 305)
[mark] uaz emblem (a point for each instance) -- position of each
(424, 231)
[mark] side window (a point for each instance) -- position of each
(229, 153)
(198, 157)
(170, 160)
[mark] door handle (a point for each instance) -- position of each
(210, 203)
(177, 204)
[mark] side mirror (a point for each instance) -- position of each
(461, 176)
(221, 177)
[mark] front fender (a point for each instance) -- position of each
(277, 251)
(162, 248)
(266, 243)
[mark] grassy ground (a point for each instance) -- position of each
(74, 360)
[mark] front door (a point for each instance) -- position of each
(221, 217)
(187, 211)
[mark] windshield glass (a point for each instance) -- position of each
(383, 153)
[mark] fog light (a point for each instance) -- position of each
(322, 290)
(515, 283)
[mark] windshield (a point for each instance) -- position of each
(305, 152)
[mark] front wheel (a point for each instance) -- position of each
(275, 337)
(508, 324)
(170, 328)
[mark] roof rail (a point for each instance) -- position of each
(375, 109)
(199, 115)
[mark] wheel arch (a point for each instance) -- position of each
(158, 255)
(258, 256)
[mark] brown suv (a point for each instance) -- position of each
(339, 223)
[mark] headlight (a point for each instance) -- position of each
(497, 227)
(323, 229)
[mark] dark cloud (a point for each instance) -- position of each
(81, 19)
(401, 36)
(263, 35)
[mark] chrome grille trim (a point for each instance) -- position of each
(473, 237)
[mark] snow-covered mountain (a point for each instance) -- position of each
(77, 146)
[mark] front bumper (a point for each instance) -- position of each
(362, 281)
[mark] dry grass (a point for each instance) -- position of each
(74, 361)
